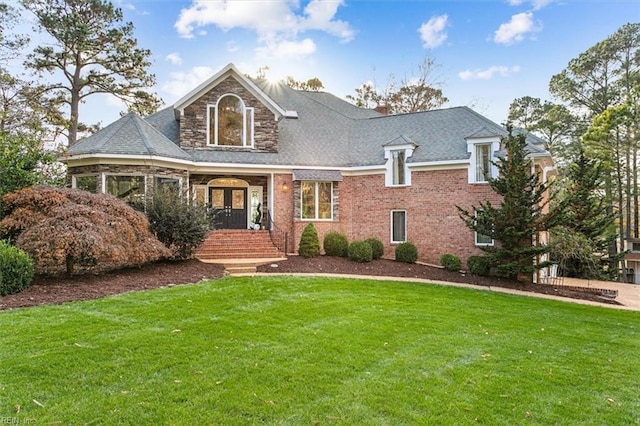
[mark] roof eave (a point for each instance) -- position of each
(229, 71)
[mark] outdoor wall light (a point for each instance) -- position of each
(285, 187)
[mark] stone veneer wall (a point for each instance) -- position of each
(193, 126)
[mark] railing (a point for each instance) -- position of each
(277, 235)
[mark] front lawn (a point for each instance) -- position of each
(302, 350)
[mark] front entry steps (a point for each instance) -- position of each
(243, 266)
(240, 251)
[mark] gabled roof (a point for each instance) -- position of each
(401, 140)
(328, 133)
(130, 135)
(229, 71)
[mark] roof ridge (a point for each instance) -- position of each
(304, 93)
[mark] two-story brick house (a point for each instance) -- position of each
(250, 147)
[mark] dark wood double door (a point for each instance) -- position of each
(229, 206)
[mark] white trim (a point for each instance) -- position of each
(475, 236)
(391, 240)
(74, 183)
(247, 134)
(388, 155)
(316, 217)
(228, 71)
(472, 144)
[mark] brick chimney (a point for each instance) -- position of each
(382, 109)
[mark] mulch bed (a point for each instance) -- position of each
(48, 290)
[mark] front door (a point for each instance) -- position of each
(229, 207)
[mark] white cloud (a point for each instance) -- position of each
(433, 32)
(515, 30)
(537, 4)
(277, 23)
(488, 74)
(174, 58)
(181, 83)
(287, 48)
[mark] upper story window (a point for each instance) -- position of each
(398, 173)
(482, 167)
(397, 167)
(483, 162)
(230, 123)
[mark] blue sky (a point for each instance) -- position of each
(489, 52)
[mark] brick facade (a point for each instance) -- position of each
(433, 224)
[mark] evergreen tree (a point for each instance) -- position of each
(525, 211)
(92, 52)
(588, 217)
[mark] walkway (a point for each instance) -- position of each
(628, 294)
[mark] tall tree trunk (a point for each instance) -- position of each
(636, 214)
(621, 212)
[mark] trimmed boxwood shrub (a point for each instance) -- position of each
(360, 251)
(479, 265)
(335, 244)
(16, 269)
(450, 262)
(377, 247)
(309, 242)
(406, 252)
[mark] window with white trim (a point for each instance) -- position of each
(483, 162)
(397, 167)
(230, 122)
(482, 152)
(85, 182)
(398, 226)
(130, 188)
(398, 173)
(316, 200)
(480, 239)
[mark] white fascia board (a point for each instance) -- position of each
(229, 70)
(120, 159)
(440, 165)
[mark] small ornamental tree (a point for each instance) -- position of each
(309, 242)
(519, 218)
(177, 223)
(64, 228)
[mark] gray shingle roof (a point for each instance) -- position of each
(130, 135)
(328, 133)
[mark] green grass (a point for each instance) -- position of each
(298, 351)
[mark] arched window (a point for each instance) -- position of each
(230, 123)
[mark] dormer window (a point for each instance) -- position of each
(397, 167)
(230, 123)
(483, 162)
(398, 173)
(483, 151)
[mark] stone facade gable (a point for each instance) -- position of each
(193, 125)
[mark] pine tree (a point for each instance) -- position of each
(588, 217)
(522, 213)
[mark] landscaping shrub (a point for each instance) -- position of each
(177, 223)
(309, 242)
(406, 252)
(360, 251)
(450, 262)
(335, 244)
(479, 265)
(377, 248)
(16, 269)
(64, 228)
